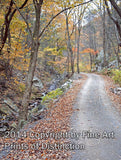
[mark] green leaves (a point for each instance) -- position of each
(117, 76)
(52, 95)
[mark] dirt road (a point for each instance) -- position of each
(96, 122)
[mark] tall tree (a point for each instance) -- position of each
(104, 35)
(69, 45)
(80, 13)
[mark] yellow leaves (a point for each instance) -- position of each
(1, 19)
(18, 56)
(19, 85)
(72, 5)
(49, 49)
(17, 25)
(68, 1)
(22, 87)
(2, 74)
(16, 82)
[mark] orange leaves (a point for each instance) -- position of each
(96, 52)
(74, 49)
(90, 50)
(56, 121)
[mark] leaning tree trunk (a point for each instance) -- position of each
(27, 93)
(34, 52)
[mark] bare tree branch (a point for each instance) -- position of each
(59, 14)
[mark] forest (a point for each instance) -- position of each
(48, 48)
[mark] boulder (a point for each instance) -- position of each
(67, 85)
(3, 129)
(116, 91)
(52, 87)
(11, 105)
(113, 64)
(36, 108)
(38, 115)
(37, 82)
(6, 109)
(13, 125)
(8, 112)
(4, 126)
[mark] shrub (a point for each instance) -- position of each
(107, 71)
(22, 87)
(117, 76)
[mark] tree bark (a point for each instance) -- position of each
(78, 47)
(116, 7)
(34, 51)
(116, 21)
(69, 44)
(91, 61)
(104, 36)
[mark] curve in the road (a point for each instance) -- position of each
(98, 123)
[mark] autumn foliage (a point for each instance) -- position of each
(90, 50)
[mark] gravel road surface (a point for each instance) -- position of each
(96, 123)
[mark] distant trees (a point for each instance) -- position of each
(80, 15)
(103, 31)
(117, 21)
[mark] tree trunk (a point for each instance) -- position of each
(116, 21)
(90, 60)
(117, 8)
(78, 48)
(68, 63)
(34, 52)
(104, 36)
(69, 44)
(27, 93)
